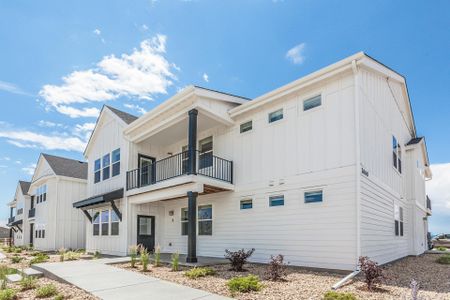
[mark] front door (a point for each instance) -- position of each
(146, 232)
(146, 167)
(31, 234)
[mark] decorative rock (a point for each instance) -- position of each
(14, 277)
(32, 272)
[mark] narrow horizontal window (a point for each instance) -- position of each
(246, 204)
(276, 115)
(276, 200)
(314, 196)
(247, 126)
(312, 102)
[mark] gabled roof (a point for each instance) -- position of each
(67, 167)
(126, 117)
(25, 186)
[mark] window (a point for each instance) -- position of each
(36, 234)
(247, 126)
(106, 163)
(97, 171)
(276, 200)
(246, 204)
(398, 217)
(314, 196)
(39, 233)
(115, 162)
(184, 221)
(104, 219)
(185, 158)
(276, 115)
(41, 194)
(43, 233)
(145, 226)
(205, 220)
(396, 154)
(114, 223)
(96, 224)
(206, 153)
(44, 192)
(312, 102)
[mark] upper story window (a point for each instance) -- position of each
(314, 196)
(115, 162)
(398, 220)
(276, 115)
(312, 103)
(396, 154)
(206, 152)
(106, 169)
(41, 193)
(97, 166)
(247, 126)
(276, 200)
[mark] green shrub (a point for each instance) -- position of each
(27, 283)
(71, 255)
(46, 291)
(445, 259)
(195, 273)
(8, 294)
(175, 261)
(133, 254)
(145, 257)
(97, 254)
(81, 251)
(16, 259)
(244, 284)
(441, 248)
(39, 258)
(157, 256)
(9, 249)
(332, 295)
(59, 297)
(18, 250)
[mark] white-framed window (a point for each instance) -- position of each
(106, 161)
(277, 200)
(246, 126)
(205, 222)
(115, 157)
(184, 221)
(246, 203)
(185, 159)
(313, 196)
(205, 147)
(41, 193)
(114, 223)
(97, 173)
(96, 224)
(396, 155)
(398, 220)
(312, 103)
(275, 115)
(104, 222)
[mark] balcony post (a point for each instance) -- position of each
(192, 142)
(192, 227)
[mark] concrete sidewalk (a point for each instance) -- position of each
(110, 283)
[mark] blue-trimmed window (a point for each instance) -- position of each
(97, 166)
(314, 196)
(276, 200)
(276, 115)
(312, 103)
(115, 162)
(246, 204)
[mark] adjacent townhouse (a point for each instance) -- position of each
(18, 218)
(48, 222)
(322, 170)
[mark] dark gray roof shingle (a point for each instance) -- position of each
(414, 141)
(126, 117)
(67, 167)
(25, 186)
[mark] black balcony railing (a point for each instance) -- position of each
(177, 165)
(11, 219)
(428, 203)
(32, 212)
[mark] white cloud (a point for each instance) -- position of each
(29, 169)
(135, 107)
(296, 54)
(439, 188)
(18, 162)
(7, 158)
(84, 130)
(49, 124)
(205, 77)
(28, 139)
(12, 88)
(144, 27)
(97, 31)
(142, 74)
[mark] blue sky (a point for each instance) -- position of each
(60, 61)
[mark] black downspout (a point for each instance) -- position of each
(192, 142)
(192, 228)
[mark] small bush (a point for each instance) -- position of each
(27, 283)
(175, 261)
(59, 297)
(71, 255)
(81, 251)
(244, 284)
(373, 273)
(46, 291)
(195, 273)
(332, 295)
(276, 269)
(145, 257)
(9, 249)
(39, 258)
(97, 255)
(18, 250)
(238, 258)
(444, 259)
(157, 256)
(16, 259)
(61, 253)
(133, 254)
(8, 294)
(441, 248)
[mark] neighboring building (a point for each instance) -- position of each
(4, 232)
(53, 223)
(322, 170)
(18, 214)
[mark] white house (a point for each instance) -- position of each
(322, 170)
(18, 219)
(57, 182)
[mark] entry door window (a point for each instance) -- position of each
(206, 153)
(145, 165)
(145, 226)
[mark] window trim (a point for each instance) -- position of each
(396, 159)
(275, 111)
(245, 123)
(315, 190)
(246, 199)
(399, 223)
(275, 196)
(309, 99)
(113, 163)
(205, 220)
(183, 221)
(108, 166)
(99, 170)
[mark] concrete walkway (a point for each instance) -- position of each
(110, 283)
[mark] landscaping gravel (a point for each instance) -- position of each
(434, 280)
